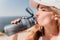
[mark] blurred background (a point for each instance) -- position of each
(11, 10)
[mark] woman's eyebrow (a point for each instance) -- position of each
(38, 6)
(45, 7)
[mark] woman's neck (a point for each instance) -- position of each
(51, 29)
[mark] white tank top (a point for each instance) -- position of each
(58, 37)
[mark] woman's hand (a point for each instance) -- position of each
(32, 34)
(16, 21)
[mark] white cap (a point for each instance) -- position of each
(55, 3)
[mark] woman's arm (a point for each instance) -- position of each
(13, 37)
(33, 34)
(30, 34)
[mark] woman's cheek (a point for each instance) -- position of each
(44, 18)
(46, 21)
(43, 21)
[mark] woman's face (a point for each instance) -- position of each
(44, 15)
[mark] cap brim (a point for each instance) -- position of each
(33, 3)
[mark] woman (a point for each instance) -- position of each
(47, 20)
(47, 17)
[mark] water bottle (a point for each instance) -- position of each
(15, 28)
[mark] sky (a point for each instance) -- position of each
(14, 7)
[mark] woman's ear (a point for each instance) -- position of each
(56, 17)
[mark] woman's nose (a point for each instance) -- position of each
(37, 14)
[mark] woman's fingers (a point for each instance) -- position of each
(15, 21)
(18, 20)
(12, 22)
